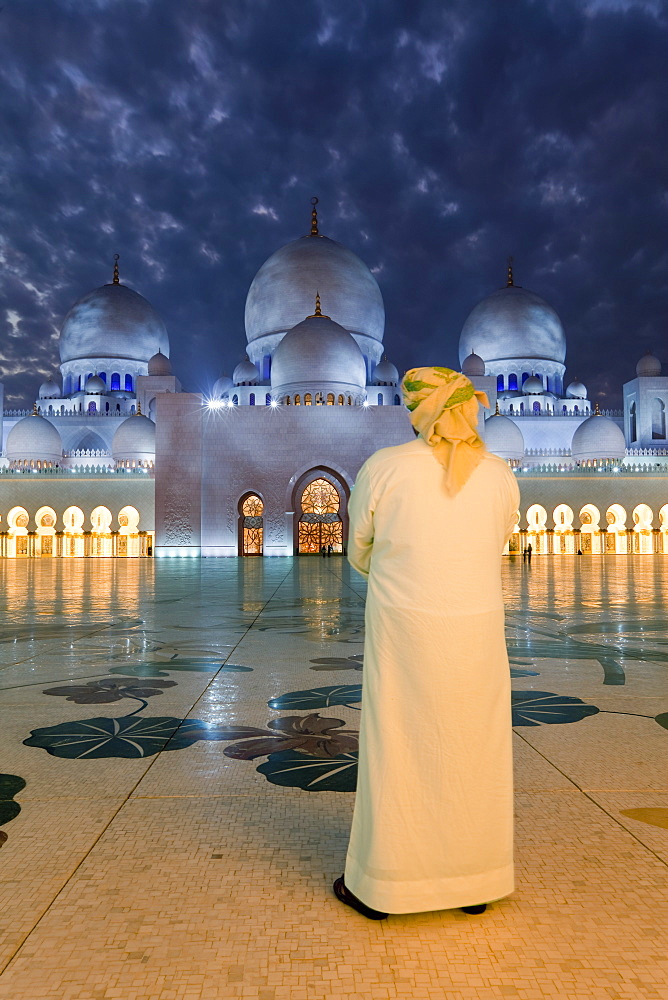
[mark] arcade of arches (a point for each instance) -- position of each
(42, 535)
(594, 532)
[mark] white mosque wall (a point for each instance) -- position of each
(208, 459)
(646, 412)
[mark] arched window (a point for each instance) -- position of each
(380, 399)
(235, 399)
(340, 400)
(128, 383)
(576, 408)
(350, 400)
(633, 424)
(320, 522)
(267, 399)
(658, 420)
(106, 407)
(499, 383)
(287, 401)
(308, 399)
(536, 407)
(564, 409)
(78, 388)
(330, 399)
(103, 376)
(512, 408)
(512, 381)
(251, 511)
(521, 407)
(92, 407)
(298, 400)
(525, 376)
(251, 399)
(115, 381)
(397, 400)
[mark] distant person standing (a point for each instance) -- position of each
(529, 551)
(433, 821)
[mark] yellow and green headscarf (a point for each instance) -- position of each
(443, 406)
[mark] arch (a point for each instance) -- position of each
(537, 535)
(340, 399)
(73, 541)
(663, 529)
(633, 423)
(267, 399)
(129, 383)
(311, 510)
(103, 376)
(128, 543)
(92, 407)
(115, 383)
(308, 399)
(658, 420)
(380, 399)
(397, 399)
(128, 520)
(45, 521)
(499, 383)
(525, 376)
(330, 399)
(101, 540)
(251, 399)
(615, 542)
(17, 531)
(251, 524)
(350, 400)
(298, 399)
(235, 400)
(287, 401)
(643, 534)
(536, 407)
(563, 515)
(562, 538)
(512, 381)
(90, 441)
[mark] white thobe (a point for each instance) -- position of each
(433, 821)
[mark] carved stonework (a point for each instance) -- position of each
(178, 517)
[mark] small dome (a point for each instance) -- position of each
(598, 437)
(134, 440)
(49, 390)
(34, 438)
(503, 437)
(648, 366)
(576, 390)
(317, 351)
(95, 385)
(222, 387)
(533, 386)
(159, 365)
(385, 372)
(112, 322)
(473, 365)
(245, 372)
(282, 291)
(513, 323)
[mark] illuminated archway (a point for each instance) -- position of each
(590, 530)
(537, 535)
(563, 538)
(251, 525)
(643, 532)
(45, 519)
(73, 540)
(320, 524)
(101, 540)
(128, 542)
(17, 532)
(615, 542)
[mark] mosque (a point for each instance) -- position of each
(116, 460)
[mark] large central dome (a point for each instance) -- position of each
(112, 322)
(282, 291)
(513, 323)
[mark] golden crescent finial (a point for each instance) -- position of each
(318, 310)
(314, 218)
(509, 279)
(117, 279)
(497, 412)
(597, 411)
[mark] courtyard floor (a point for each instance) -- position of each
(171, 823)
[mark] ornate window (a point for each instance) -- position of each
(308, 399)
(298, 400)
(499, 383)
(320, 523)
(341, 400)
(330, 399)
(252, 511)
(512, 381)
(128, 383)
(115, 381)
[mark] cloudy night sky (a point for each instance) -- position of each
(440, 136)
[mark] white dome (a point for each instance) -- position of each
(245, 372)
(317, 351)
(134, 439)
(49, 390)
(648, 366)
(221, 387)
(473, 365)
(159, 365)
(513, 323)
(282, 291)
(533, 386)
(384, 372)
(503, 437)
(598, 437)
(112, 322)
(34, 438)
(95, 385)
(576, 390)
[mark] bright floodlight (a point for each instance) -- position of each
(274, 403)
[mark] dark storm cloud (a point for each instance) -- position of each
(440, 137)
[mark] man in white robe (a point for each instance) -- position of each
(433, 821)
